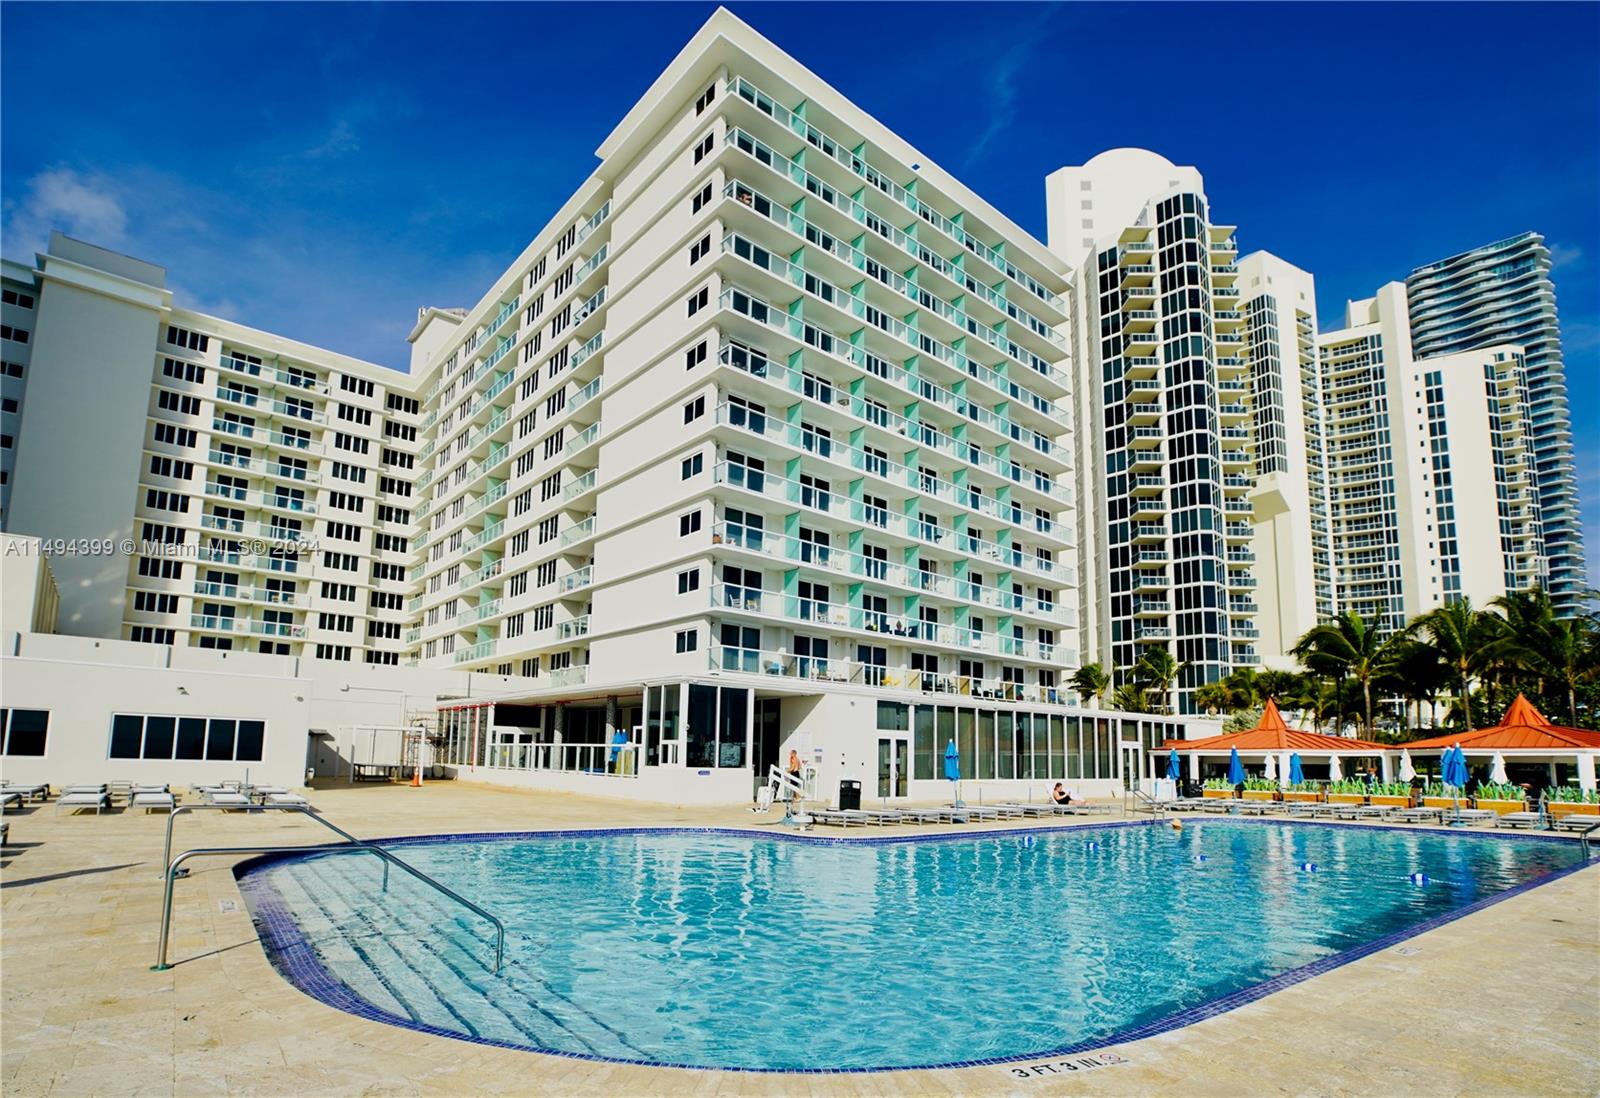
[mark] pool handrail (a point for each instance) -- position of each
(351, 843)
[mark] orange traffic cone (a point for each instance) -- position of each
(416, 777)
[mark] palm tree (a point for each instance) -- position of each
(1464, 639)
(1563, 653)
(1131, 698)
(1349, 647)
(1091, 681)
(1156, 673)
(1417, 676)
(1214, 697)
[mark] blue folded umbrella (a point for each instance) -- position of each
(1235, 767)
(1296, 775)
(1173, 766)
(1453, 767)
(952, 762)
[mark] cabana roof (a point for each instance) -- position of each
(1272, 734)
(1523, 728)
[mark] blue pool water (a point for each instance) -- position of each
(727, 950)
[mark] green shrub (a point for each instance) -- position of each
(1572, 794)
(1491, 791)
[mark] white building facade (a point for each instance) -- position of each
(763, 444)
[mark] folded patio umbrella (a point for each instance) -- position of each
(1335, 771)
(1174, 768)
(1270, 770)
(952, 762)
(1235, 767)
(1407, 771)
(1497, 770)
(1296, 775)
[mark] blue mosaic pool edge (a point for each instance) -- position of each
(295, 959)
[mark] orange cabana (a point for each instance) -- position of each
(1273, 736)
(1524, 735)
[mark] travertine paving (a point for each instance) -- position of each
(1502, 1002)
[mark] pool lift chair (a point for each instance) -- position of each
(794, 811)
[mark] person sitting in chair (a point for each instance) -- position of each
(1059, 795)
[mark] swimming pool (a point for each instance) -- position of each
(731, 949)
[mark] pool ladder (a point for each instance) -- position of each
(351, 845)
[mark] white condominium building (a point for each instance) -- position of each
(17, 312)
(1497, 295)
(1292, 533)
(1166, 457)
(762, 445)
(212, 485)
(1414, 447)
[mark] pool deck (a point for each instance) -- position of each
(1505, 1001)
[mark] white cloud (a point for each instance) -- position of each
(83, 206)
(1566, 256)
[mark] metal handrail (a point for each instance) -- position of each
(1583, 838)
(388, 859)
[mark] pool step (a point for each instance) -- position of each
(409, 954)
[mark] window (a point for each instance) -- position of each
(178, 402)
(688, 524)
(694, 409)
(702, 199)
(12, 297)
(355, 385)
(15, 335)
(695, 355)
(699, 300)
(687, 640)
(703, 150)
(182, 337)
(688, 581)
(692, 465)
(183, 371)
(24, 731)
(212, 739)
(700, 104)
(699, 249)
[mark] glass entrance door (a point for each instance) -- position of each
(1132, 766)
(894, 766)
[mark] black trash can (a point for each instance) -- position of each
(849, 796)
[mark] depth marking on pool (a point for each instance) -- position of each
(1061, 1067)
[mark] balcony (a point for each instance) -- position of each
(578, 532)
(1147, 483)
(1150, 558)
(481, 651)
(1150, 531)
(1146, 437)
(574, 629)
(575, 581)
(1146, 633)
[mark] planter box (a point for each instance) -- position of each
(1390, 801)
(1216, 793)
(1347, 798)
(1303, 797)
(1443, 802)
(1501, 807)
(1260, 795)
(1558, 809)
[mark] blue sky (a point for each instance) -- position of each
(321, 171)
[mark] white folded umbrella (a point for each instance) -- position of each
(1270, 770)
(1497, 770)
(1407, 771)
(1335, 773)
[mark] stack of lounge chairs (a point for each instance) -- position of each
(953, 813)
(149, 797)
(27, 792)
(75, 797)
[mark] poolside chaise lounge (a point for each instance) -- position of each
(148, 797)
(1031, 809)
(10, 800)
(1468, 817)
(835, 816)
(230, 798)
(286, 798)
(1419, 815)
(83, 796)
(39, 792)
(1518, 819)
(1574, 822)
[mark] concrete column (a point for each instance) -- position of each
(1552, 768)
(1585, 765)
(1194, 766)
(1388, 767)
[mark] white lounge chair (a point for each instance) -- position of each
(1577, 821)
(39, 792)
(84, 797)
(149, 797)
(286, 798)
(1470, 817)
(226, 797)
(1518, 819)
(10, 800)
